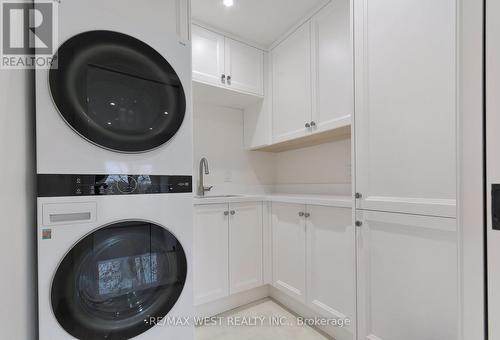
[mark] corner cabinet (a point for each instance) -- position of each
(227, 63)
(228, 250)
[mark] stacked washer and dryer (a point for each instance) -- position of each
(114, 164)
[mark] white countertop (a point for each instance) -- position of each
(328, 200)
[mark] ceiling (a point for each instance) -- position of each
(259, 21)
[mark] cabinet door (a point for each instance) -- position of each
(257, 119)
(333, 73)
(289, 249)
(210, 253)
(406, 106)
(245, 246)
(244, 66)
(184, 21)
(208, 56)
(331, 265)
(407, 277)
(291, 67)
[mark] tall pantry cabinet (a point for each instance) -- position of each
(405, 169)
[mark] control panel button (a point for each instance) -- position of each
(126, 184)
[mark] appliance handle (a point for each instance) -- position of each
(71, 217)
(68, 213)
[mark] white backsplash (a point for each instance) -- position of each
(218, 136)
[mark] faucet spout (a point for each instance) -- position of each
(203, 170)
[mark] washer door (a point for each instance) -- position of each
(116, 91)
(114, 280)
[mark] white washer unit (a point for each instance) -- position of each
(118, 99)
(111, 265)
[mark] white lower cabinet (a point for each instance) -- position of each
(245, 246)
(314, 259)
(211, 253)
(227, 250)
(407, 277)
(289, 249)
(331, 263)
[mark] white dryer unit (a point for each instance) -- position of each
(114, 264)
(118, 97)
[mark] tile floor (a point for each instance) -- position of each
(263, 310)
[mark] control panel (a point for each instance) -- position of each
(50, 185)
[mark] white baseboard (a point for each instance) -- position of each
(231, 302)
(244, 298)
(300, 309)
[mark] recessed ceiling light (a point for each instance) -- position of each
(228, 3)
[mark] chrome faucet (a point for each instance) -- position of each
(201, 188)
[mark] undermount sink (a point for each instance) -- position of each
(218, 196)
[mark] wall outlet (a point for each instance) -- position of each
(349, 172)
(228, 176)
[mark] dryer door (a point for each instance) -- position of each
(114, 280)
(116, 91)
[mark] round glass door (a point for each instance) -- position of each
(114, 280)
(116, 91)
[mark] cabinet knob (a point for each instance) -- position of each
(233, 212)
(301, 214)
(313, 123)
(307, 215)
(223, 79)
(308, 125)
(229, 80)
(358, 195)
(226, 213)
(359, 224)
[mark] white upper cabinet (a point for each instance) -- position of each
(289, 249)
(313, 76)
(210, 253)
(227, 63)
(406, 106)
(291, 68)
(332, 65)
(331, 265)
(244, 67)
(208, 56)
(245, 246)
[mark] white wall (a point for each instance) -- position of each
(17, 207)
(321, 169)
(218, 136)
